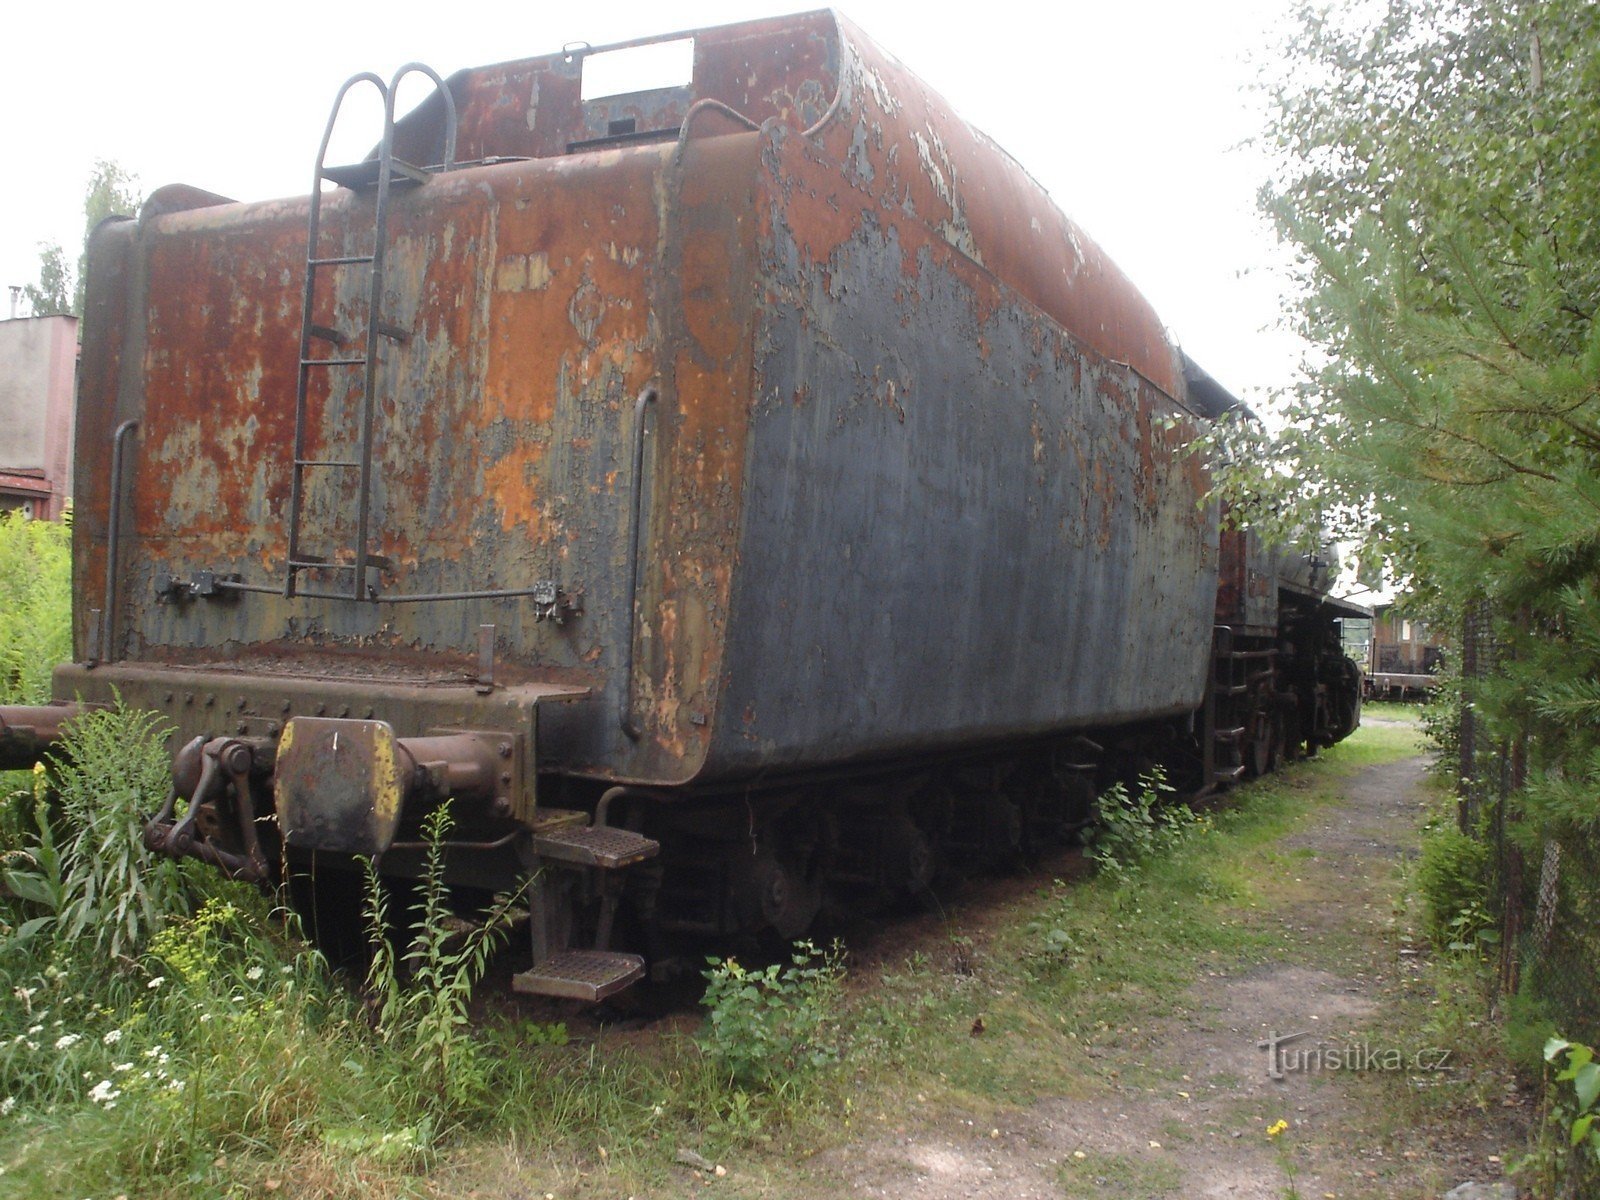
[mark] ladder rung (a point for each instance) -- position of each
(338, 260)
(365, 173)
(328, 335)
(378, 562)
(334, 362)
(393, 332)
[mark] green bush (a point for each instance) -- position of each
(35, 606)
(74, 862)
(1135, 827)
(769, 1025)
(1452, 877)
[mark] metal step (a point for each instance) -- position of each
(596, 846)
(1229, 774)
(365, 174)
(589, 975)
(1229, 736)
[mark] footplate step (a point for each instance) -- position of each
(596, 846)
(589, 975)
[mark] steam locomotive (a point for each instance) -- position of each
(735, 497)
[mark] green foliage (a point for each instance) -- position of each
(33, 886)
(74, 864)
(1578, 1112)
(420, 996)
(112, 191)
(1435, 171)
(1135, 827)
(35, 606)
(1453, 880)
(1434, 174)
(1566, 1160)
(769, 1025)
(111, 772)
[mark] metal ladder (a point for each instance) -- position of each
(381, 174)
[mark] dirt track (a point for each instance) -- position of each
(1189, 1109)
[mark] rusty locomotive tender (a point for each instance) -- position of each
(735, 497)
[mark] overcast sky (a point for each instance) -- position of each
(1130, 112)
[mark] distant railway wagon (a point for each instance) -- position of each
(1403, 656)
(735, 497)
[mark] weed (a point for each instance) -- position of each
(77, 869)
(420, 998)
(769, 1024)
(1451, 876)
(111, 773)
(1565, 1161)
(1134, 828)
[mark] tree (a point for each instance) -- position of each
(112, 190)
(1437, 164)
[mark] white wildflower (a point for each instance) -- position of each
(68, 1039)
(32, 1029)
(254, 973)
(156, 982)
(112, 1037)
(104, 1092)
(120, 1067)
(6, 1105)
(24, 994)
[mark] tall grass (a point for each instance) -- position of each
(35, 606)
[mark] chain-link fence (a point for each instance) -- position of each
(1544, 887)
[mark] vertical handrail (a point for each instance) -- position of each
(108, 651)
(630, 723)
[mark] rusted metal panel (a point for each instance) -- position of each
(784, 68)
(961, 523)
(1247, 584)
